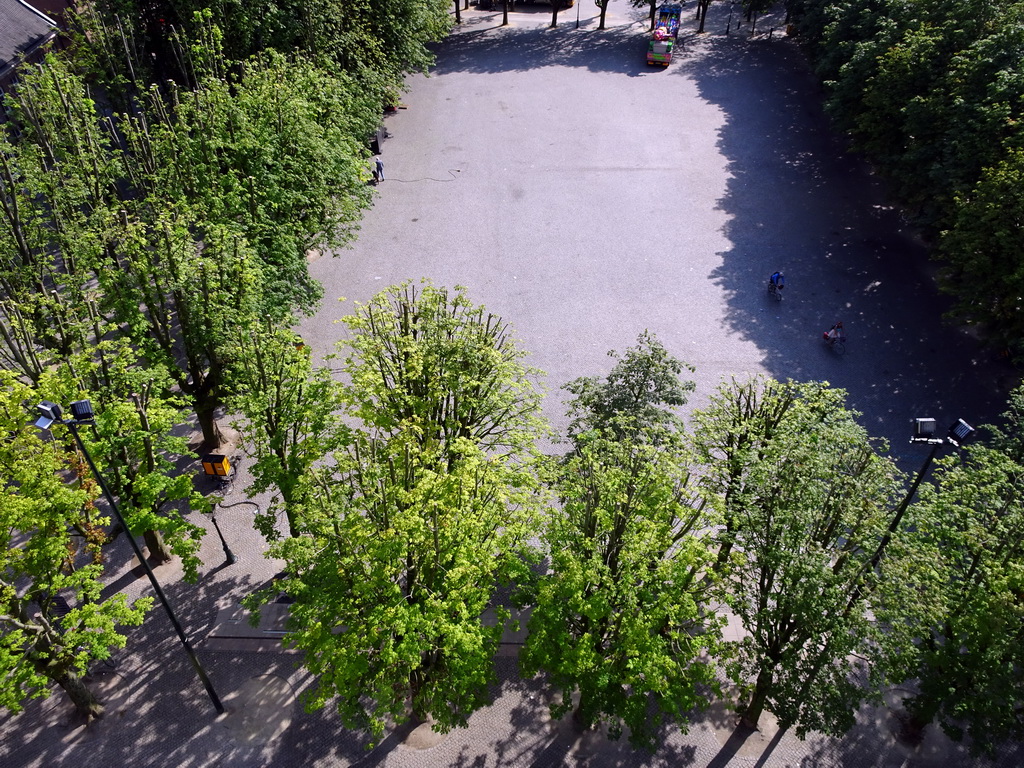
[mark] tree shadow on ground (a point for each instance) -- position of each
(618, 50)
(533, 738)
(799, 201)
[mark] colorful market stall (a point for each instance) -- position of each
(663, 39)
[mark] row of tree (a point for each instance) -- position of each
(409, 500)
(146, 225)
(933, 93)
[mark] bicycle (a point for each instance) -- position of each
(774, 291)
(836, 343)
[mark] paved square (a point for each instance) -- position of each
(585, 197)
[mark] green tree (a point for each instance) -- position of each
(804, 495)
(619, 617)
(967, 660)
(133, 445)
(276, 152)
(377, 41)
(289, 418)
(982, 250)
(181, 294)
(106, 213)
(640, 391)
(410, 528)
(51, 535)
(59, 183)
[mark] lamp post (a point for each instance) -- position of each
(230, 558)
(219, 467)
(924, 432)
(82, 413)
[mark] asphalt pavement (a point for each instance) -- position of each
(585, 198)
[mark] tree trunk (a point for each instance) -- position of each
(158, 551)
(415, 685)
(579, 719)
(554, 13)
(458, 13)
(76, 689)
(914, 719)
(604, 10)
(752, 712)
(702, 12)
(206, 415)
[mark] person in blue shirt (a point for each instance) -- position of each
(776, 283)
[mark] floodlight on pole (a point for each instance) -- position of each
(924, 432)
(82, 413)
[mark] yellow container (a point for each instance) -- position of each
(216, 465)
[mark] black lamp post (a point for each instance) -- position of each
(81, 413)
(924, 432)
(229, 556)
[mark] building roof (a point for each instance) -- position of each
(22, 29)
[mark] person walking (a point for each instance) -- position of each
(378, 169)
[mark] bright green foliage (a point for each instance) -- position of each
(59, 175)
(805, 496)
(640, 392)
(429, 363)
(289, 408)
(49, 550)
(1008, 436)
(133, 446)
(59, 203)
(408, 531)
(619, 619)
(180, 221)
(275, 152)
(180, 300)
(969, 661)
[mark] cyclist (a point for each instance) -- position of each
(776, 282)
(835, 333)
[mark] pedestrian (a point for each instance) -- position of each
(378, 173)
